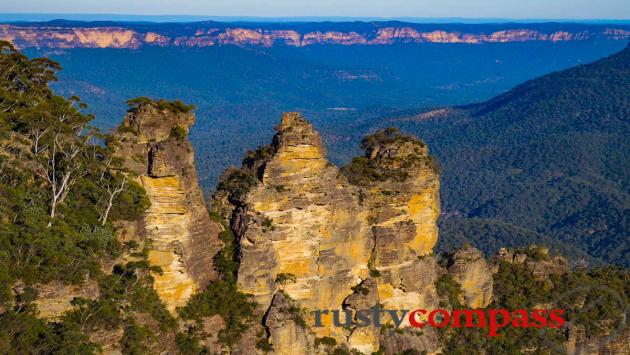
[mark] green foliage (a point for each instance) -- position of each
(222, 298)
(366, 170)
(131, 284)
(178, 133)
(489, 235)
(176, 106)
(236, 183)
(516, 288)
(340, 351)
(54, 181)
(215, 216)
(387, 136)
(225, 261)
(22, 332)
(360, 289)
(373, 271)
(449, 291)
(188, 344)
(137, 339)
(535, 252)
(126, 129)
(363, 171)
(594, 298)
(131, 204)
(325, 341)
(297, 315)
(267, 224)
(264, 345)
(23, 76)
(283, 278)
(254, 157)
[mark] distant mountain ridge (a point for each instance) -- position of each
(109, 34)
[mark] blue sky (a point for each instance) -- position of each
(517, 9)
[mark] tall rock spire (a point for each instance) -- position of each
(153, 141)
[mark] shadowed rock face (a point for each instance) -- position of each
(337, 240)
(184, 239)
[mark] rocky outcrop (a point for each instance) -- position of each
(200, 35)
(409, 341)
(537, 260)
(309, 235)
(54, 298)
(183, 240)
(468, 267)
(289, 333)
(612, 342)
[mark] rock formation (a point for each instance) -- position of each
(468, 267)
(154, 145)
(307, 235)
(537, 260)
(215, 34)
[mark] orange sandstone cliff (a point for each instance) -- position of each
(50, 35)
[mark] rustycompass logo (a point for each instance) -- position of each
(493, 319)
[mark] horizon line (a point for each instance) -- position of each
(39, 17)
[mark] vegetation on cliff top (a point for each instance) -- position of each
(176, 106)
(368, 169)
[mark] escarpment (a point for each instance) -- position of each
(183, 240)
(315, 235)
(121, 35)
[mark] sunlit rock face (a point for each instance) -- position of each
(306, 233)
(305, 220)
(468, 267)
(72, 36)
(183, 238)
(403, 216)
(54, 299)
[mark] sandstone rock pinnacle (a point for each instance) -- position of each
(294, 213)
(154, 145)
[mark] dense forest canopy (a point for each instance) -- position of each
(547, 161)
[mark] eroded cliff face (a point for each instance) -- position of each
(183, 239)
(403, 213)
(468, 267)
(307, 235)
(68, 36)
